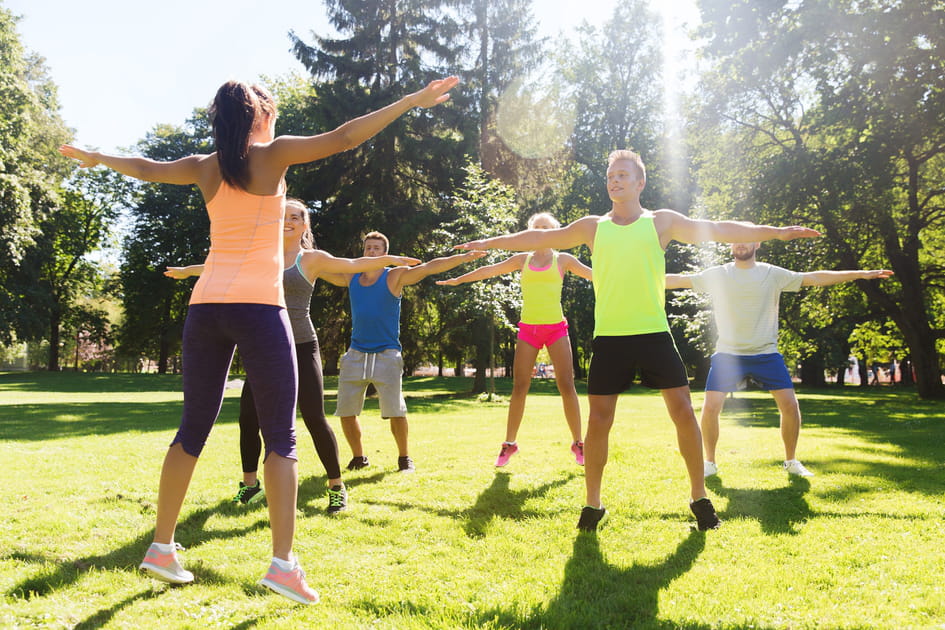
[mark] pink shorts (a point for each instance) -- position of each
(540, 335)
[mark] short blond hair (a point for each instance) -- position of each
(626, 154)
(376, 236)
(532, 220)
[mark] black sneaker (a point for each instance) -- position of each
(337, 499)
(249, 494)
(706, 518)
(405, 464)
(358, 462)
(591, 518)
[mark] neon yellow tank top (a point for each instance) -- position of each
(629, 278)
(541, 292)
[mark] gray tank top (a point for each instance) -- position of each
(298, 299)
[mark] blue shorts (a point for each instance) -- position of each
(728, 370)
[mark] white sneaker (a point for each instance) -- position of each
(709, 469)
(794, 467)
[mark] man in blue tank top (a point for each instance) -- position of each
(374, 356)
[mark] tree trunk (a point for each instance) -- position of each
(54, 324)
(812, 371)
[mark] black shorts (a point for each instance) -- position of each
(615, 362)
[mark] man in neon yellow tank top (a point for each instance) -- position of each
(631, 330)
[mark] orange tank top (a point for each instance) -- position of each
(245, 260)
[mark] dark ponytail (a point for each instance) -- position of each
(234, 113)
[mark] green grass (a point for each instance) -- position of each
(462, 545)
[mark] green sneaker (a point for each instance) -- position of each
(337, 499)
(249, 494)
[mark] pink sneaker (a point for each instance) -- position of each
(290, 583)
(578, 449)
(506, 454)
(164, 566)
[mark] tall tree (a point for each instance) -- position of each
(31, 171)
(169, 226)
(56, 269)
(832, 113)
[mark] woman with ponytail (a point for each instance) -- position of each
(238, 302)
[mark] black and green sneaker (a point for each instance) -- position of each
(249, 494)
(337, 499)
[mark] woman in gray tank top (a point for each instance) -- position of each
(303, 265)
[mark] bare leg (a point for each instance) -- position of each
(599, 422)
(175, 479)
(679, 405)
(525, 355)
(352, 430)
(790, 420)
(398, 427)
(560, 353)
(282, 484)
(711, 410)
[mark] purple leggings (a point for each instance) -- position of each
(264, 338)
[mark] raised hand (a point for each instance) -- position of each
(178, 273)
(876, 274)
(86, 160)
(436, 92)
(473, 245)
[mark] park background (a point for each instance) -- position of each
(823, 114)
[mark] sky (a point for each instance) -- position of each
(123, 66)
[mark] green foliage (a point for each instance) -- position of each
(30, 168)
(804, 123)
(169, 227)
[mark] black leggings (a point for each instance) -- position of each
(311, 404)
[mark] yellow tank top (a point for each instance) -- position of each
(245, 259)
(629, 278)
(541, 292)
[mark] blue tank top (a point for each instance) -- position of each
(375, 315)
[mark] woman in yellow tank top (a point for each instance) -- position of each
(239, 303)
(542, 325)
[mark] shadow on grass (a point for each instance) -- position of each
(496, 501)
(313, 490)
(72, 382)
(37, 422)
(191, 530)
(900, 425)
(777, 511)
(596, 594)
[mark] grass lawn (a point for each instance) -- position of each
(461, 544)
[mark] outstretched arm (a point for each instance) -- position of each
(575, 266)
(183, 171)
(678, 281)
(179, 273)
(319, 263)
(827, 278)
(406, 276)
(288, 150)
(673, 226)
(581, 232)
(509, 265)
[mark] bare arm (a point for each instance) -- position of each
(179, 273)
(673, 226)
(678, 281)
(406, 276)
(183, 171)
(827, 278)
(288, 150)
(581, 232)
(319, 263)
(575, 266)
(509, 265)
